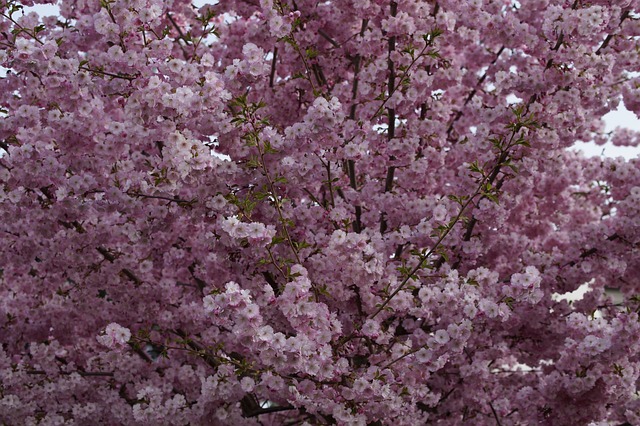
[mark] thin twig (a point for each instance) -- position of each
(79, 372)
(160, 197)
(495, 415)
(473, 92)
(128, 77)
(326, 36)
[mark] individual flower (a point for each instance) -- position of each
(247, 384)
(210, 305)
(371, 329)
(217, 203)
(175, 66)
(441, 336)
(424, 355)
(489, 308)
(146, 266)
(440, 213)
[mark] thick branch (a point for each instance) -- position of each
(391, 115)
(351, 164)
(609, 37)
(272, 74)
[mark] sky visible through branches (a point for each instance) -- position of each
(619, 118)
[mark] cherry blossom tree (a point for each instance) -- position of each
(355, 212)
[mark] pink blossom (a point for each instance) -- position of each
(115, 336)
(362, 212)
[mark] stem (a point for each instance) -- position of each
(276, 200)
(328, 166)
(412, 351)
(108, 74)
(504, 155)
(181, 36)
(304, 62)
(159, 197)
(22, 29)
(426, 256)
(402, 77)
(473, 92)
(351, 164)
(495, 415)
(326, 36)
(126, 272)
(278, 267)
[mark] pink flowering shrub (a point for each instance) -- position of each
(300, 212)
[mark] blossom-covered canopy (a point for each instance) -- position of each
(354, 212)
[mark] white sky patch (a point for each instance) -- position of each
(621, 117)
(200, 3)
(513, 99)
(573, 295)
(43, 9)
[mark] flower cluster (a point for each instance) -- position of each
(256, 232)
(114, 336)
(315, 212)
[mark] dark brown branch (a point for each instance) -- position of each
(391, 115)
(106, 254)
(127, 77)
(200, 283)
(398, 252)
(79, 372)
(272, 74)
(272, 282)
(473, 92)
(609, 37)
(126, 272)
(181, 36)
(177, 27)
(319, 74)
(326, 36)
(495, 415)
(559, 42)
(330, 183)
(196, 347)
(249, 403)
(252, 408)
(351, 164)
(159, 197)
(131, 276)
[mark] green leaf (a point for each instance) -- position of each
(472, 282)
(509, 301)
(475, 168)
